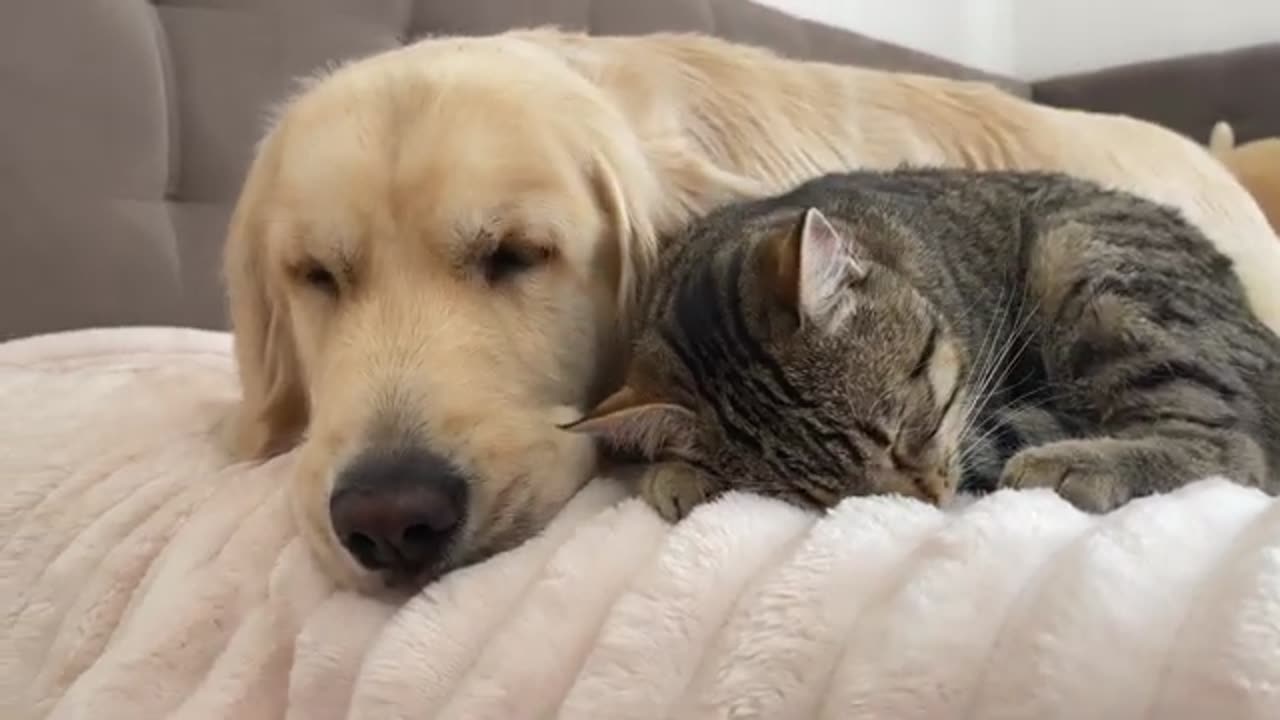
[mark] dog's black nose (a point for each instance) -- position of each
(397, 510)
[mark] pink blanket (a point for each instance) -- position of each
(143, 575)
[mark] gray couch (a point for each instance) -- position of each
(127, 125)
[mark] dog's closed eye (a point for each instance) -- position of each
(318, 277)
(511, 257)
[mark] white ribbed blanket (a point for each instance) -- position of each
(142, 576)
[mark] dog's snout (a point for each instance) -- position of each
(398, 510)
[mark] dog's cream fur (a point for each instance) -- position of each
(401, 173)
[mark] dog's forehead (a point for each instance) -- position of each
(410, 157)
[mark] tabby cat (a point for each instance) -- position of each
(923, 331)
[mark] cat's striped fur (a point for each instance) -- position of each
(1017, 329)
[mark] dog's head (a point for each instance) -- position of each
(430, 269)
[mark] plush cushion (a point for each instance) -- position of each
(128, 125)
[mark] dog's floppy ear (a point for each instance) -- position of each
(626, 190)
(652, 190)
(273, 409)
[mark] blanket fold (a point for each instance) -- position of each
(143, 574)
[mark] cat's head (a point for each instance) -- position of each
(788, 361)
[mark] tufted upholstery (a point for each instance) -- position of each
(126, 126)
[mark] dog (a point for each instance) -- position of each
(1256, 164)
(437, 252)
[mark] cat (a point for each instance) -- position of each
(927, 331)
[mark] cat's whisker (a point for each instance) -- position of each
(997, 372)
(986, 370)
(1005, 360)
(1001, 339)
(998, 369)
(1029, 399)
(972, 445)
(980, 357)
(985, 388)
(975, 443)
(993, 331)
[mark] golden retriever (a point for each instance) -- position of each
(436, 254)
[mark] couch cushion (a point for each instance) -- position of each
(1187, 94)
(128, 125)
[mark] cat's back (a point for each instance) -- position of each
(939, 206)
(949, 192)
(950, 230)
(989, 217)
(902, 194)
(969, 229)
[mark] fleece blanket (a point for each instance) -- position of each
(145, 575)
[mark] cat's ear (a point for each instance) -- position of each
(811, 269)
(629, 425)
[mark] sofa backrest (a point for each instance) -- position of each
(1187, 94)
(127, 126)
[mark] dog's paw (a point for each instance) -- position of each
(1082, 472)
(673, 491)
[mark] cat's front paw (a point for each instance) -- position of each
(1081, 471)
(673, 491)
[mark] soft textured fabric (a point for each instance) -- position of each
(127, 125)
(144, 576)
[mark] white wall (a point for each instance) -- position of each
(1052, 37)
(1033, 39)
